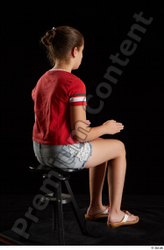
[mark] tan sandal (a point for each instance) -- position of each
(124, 222)
(98, 216)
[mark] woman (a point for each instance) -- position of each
(61, 133)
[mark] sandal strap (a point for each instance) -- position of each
(126, 212)
(106, 211)
(125, 218)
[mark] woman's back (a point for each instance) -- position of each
(54, 93)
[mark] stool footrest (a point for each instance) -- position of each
(66, 198)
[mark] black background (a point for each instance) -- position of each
(136, 99)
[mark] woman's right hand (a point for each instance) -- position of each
(112, 127)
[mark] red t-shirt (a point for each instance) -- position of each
(54, 92)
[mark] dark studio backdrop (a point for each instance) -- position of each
(136, 99)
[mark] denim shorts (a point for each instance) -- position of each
(63, 156)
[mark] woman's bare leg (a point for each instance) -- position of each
(113, 150)
(96, 182)
(116, 177)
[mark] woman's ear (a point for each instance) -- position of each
(74, 52)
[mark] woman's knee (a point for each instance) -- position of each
(121, 146)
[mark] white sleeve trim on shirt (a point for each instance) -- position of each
(77, 99)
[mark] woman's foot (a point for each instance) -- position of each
(121, 218)
(95, 213)
(92, 211)
(117, 217)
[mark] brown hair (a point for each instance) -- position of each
(60, 41)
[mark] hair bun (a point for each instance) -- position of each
(48, 38)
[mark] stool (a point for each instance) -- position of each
(55, 177)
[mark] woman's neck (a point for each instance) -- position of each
(63, 65)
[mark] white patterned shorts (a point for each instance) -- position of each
(63, 156)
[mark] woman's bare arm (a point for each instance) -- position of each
(82, 133)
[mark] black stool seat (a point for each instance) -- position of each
(45, 169)
(57, 198)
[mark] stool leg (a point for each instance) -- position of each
(54, 217)
(75, 208)
(60, 224)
